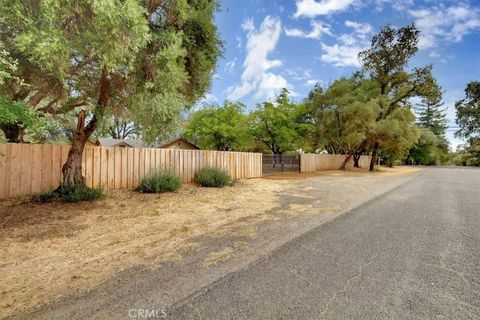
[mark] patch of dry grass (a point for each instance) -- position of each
(81, 245)
(217, 257)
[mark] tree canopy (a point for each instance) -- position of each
(385, 61)
(152, 57)
(279, 125)
(468, 112)
(219, 127)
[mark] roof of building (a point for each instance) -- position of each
(168, 142)
(107, 142)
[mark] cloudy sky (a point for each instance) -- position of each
(294, 44)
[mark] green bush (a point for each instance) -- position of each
(160, 181)
(212, 177)
(69, 193)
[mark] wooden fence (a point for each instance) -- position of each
(32, 168)
(310, 162)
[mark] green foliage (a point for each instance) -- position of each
(158, 57)
(69, 193)
(431, 114)
(468, 112)
(219, 127)
(344, 113)
(160, 181)
(430, 149)
(395, 135)
(385, 62)
(212, 177)
(280, 126)
(17, 112)
(468, 154)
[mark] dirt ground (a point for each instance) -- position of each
(51, 250)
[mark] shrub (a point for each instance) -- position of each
(69, 193)
(212, 177)
(160, 181)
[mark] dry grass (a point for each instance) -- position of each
(216, 257)
(78, 246)
(47, 251)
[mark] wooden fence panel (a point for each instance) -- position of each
(34, 168)
(316, 162)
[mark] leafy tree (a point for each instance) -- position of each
(344, 114)
(385, 61)
(430, 149)
(395, 135)
(468, 119)
(118, 127)
(431, 114)
(153, 56)
(468, 112)
(219, 127)
(468, 154)
(277, 124)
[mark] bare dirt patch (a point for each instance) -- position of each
(51, 250)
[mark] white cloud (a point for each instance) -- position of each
(299, 74)
(230, 65)
(341, 55)
(239, 42)
(256, 76)
(345, 52)
(442, 23)
(434, 54)
(318, 30)
(359, 27)
(313, 82)
(248, 25)
(312, 8)
(399, 5)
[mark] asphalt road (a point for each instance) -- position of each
(413, 253)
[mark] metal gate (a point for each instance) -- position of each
(279, 163)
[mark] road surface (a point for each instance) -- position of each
(413, 253)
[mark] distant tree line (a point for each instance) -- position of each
(383, 110)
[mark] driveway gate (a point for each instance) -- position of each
(279, 163)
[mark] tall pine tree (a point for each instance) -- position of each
(431, 114)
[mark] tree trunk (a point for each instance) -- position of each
(356, 159)
(345, 161)
(72, 169)
(13, 132)
(374, 157)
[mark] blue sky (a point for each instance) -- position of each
(297, 43)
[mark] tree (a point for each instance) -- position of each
(118, 127)
(468, 154)
(431, 114)
(468, 112)
(395, 135)
(277, 125)
(344, 114)
(219, 127)
(468, 119)
(155, 57)
(430, 149)
(385, 61)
